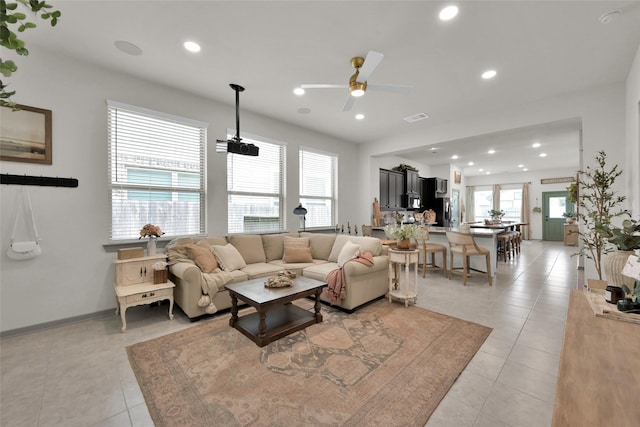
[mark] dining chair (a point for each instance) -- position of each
(465, 245)
(367, 230)
(429, 251)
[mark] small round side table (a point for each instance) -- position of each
(403, 290)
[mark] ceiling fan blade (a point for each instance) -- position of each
(372, 60)
(323, 86)
(349, 104)
(390, 88)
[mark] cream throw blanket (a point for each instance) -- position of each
(211, 284)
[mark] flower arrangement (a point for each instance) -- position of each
(150, 230)
(402, 233)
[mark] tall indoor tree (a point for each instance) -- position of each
(11, 18)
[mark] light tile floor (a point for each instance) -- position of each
(78, 374)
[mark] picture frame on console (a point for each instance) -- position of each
(25, 135)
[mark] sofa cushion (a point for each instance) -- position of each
(228, 257)
(215, 240)
(274, 245)
(249, 246)
(319, 271)
(202, 257)
(321, 244)
(349, 251)
(261, 269)
(367, 244)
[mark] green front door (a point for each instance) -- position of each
(554, 204)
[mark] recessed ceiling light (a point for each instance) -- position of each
(488, 173)
(520, 166)
(525, 169)
(543, 154)
(489, 74)
(298, 91)
(448, 13)
(536, 145)
(192, 46)
(454, 157)
(480, 170)
(492, 151)
(470, 163)
(304, 110)
(128, 48)
(359, 116)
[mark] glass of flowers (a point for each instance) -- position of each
(152, 232)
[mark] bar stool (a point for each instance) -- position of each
(429, 251)
(464, 244)
(505, 243)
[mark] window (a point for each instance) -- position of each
(483, 203)
(255, 188)
(318, 183)
(157, 172)
(511, 204)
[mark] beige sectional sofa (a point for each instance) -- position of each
(201, 267)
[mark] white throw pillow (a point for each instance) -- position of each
(349, 251)
(228, 257)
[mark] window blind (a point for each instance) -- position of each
(318, 186)
(157, 172)
(255, 188)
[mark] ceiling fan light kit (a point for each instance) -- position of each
(235, 144)
(358, 82)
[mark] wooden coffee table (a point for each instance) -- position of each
(276, 317)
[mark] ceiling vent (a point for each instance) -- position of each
(416, 117)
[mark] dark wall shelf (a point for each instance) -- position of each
(42, 181)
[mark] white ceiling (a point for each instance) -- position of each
(540, 49)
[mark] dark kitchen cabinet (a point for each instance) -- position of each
(412, 181)
(434, 187)
(391, 189)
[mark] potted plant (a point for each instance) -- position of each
(570, 216)
(496, 215)
(402, 234)
(626, 240)
(598, 205)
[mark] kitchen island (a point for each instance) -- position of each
(486, 238)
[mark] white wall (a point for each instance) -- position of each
(74, 275)
(633, 136)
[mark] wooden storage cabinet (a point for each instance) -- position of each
(134, 285)
(571, 234)
(412, 181)
(136, 270)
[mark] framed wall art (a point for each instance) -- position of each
(25, 135)
(457, 177)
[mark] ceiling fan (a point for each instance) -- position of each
(358, 84)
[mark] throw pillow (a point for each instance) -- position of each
(228, 257)
(296, 249)
(349, 251)
(296, 255)
(202, 257)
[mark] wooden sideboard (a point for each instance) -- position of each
(571, 234)
(599, 378)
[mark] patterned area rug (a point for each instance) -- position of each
(384, 365)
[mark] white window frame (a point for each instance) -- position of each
(332, 197)
(165, 216)
(257, 227)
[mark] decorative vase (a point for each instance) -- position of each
(613, 265)
(403, 244)
(151, 246)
